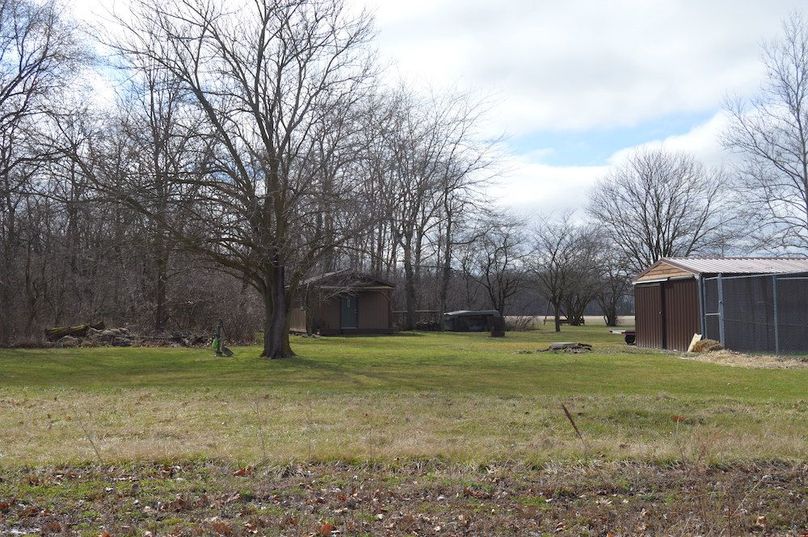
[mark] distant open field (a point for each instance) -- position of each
(414, 416)
(542, 321)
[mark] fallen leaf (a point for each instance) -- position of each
(243, 472)
(220, 527)
(326, 529)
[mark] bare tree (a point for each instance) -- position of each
(615, 283)
(431, 174)
(162, 150)
(37, 57)
(272, 82)
(554, 262)
(495, 258)
(771, 133)
(585, 270)
(461, 205)
(660, 204)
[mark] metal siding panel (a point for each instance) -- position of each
(681, 313)
(648, 315)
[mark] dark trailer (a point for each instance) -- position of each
(470, 321)
(751, 304)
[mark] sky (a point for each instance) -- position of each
(574, 86)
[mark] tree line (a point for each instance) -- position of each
(252, 146)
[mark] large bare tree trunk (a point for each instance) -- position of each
(446, 269)
(161, 277)
(276, 318)
(409, 286)
(7, 275)
(6, 310)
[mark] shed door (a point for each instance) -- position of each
(349, 311)
(649, 311)
(681, 305)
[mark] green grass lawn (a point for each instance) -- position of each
(461, 397)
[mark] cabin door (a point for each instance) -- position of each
(349, 311)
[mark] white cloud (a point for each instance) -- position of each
(583, 64)
(533, 189)
(703, 142)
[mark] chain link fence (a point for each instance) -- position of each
(757, 313)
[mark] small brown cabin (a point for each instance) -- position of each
(676, 298)
(344, 302)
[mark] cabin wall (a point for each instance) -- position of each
(374, 308)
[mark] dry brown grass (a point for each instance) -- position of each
(66, 426)
(757, 361)
(707, 345)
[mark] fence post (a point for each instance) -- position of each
(721, 334)
(776, 320)
(702, 308)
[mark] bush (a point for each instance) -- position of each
(428, 326)
(520, 323)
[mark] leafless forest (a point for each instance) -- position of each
(251, 146)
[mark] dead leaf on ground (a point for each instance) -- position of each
(244, 472)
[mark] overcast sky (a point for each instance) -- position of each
(575, 84)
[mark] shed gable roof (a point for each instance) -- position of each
(685, 266)
(740, 265)
(347, 278)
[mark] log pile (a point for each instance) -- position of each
(77, 331)
(572, 347)
(92, 337)
(97, 335)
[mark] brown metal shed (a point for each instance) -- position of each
(669, 295)
(345, 302)
(666, 313)
(648, 316)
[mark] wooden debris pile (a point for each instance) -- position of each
(97, 335)
(573, 347)
(570, 347)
